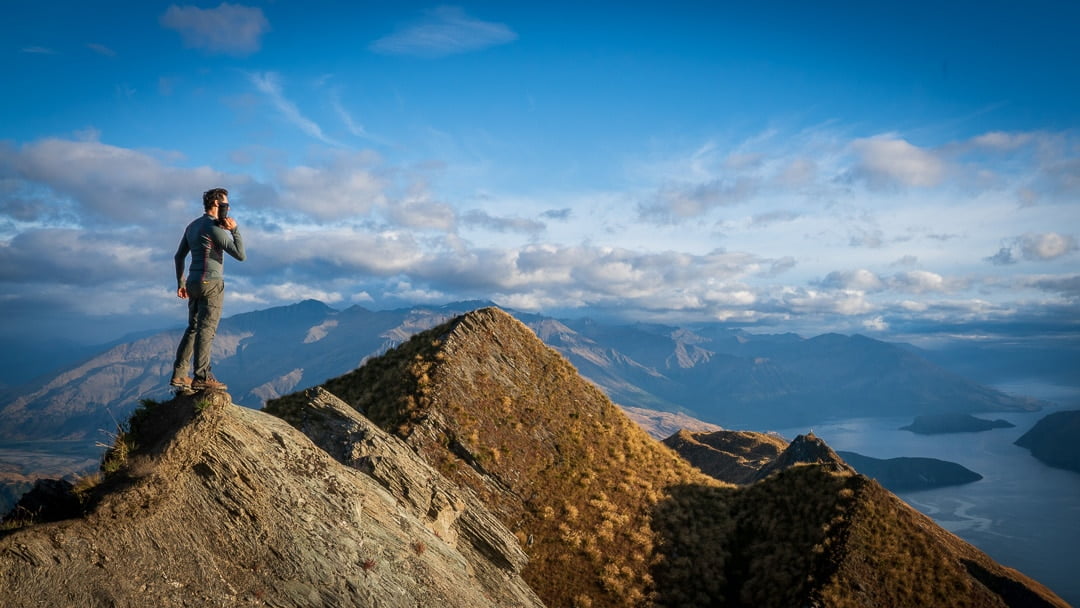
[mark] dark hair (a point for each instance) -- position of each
(215, 195)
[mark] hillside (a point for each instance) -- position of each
(731, 456)
(500, 413)
(610, 517)
(220, 505)
(1055, 440)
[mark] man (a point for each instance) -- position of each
(205, 238)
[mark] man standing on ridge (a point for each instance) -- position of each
(205, 238)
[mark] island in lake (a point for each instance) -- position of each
(953, 423)
(907, 474)
(1055, 440)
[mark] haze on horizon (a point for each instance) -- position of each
(902, 170)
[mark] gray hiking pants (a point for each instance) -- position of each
(204, 311)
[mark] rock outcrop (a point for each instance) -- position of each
(806, 449)
(235, 507)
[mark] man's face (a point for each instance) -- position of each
(224, 202)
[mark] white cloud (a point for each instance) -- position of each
(352, 126)
(861, 279)
(918, 281)
(1034, 247)
(101, 49)
(887, 160)
(269, 83)
(678, 201)
(109, 183)
(999, 140)
(422, 214)
(444, 31)
(295, 292)
(876, 324)
(1046, 246)
(77, 257)
(481, 219)
(231, 29)
(349, 186)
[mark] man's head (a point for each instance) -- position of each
(213, 197)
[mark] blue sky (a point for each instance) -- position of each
(894, 169)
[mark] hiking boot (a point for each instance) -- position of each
(180, 382)
(209, 384)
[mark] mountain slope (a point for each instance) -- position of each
(610, 517)
(731, 456)
(1054, 440)
(493, 408)
(227, 506)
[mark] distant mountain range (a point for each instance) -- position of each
(719, 375)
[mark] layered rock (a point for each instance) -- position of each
(235, 507)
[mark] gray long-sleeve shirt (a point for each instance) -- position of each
(206, 241)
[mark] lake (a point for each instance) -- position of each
(1023, 513)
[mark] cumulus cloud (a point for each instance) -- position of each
(1046, 246)
(918, 282)
(999, 140)
(77, 257)
(891, 161)
(348, 186)
(1068, 286)
(1034, 247)
(107, 184)
(229, 29)
(444, 31)
(422, 213)
(861, 279)
(877, 323)
(679, 201)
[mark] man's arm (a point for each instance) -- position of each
(178, 259)
(235, 245)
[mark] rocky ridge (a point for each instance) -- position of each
(235, 507)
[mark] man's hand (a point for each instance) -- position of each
(230, 224)
(181, 293)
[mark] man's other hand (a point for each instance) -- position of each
(181, 293)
